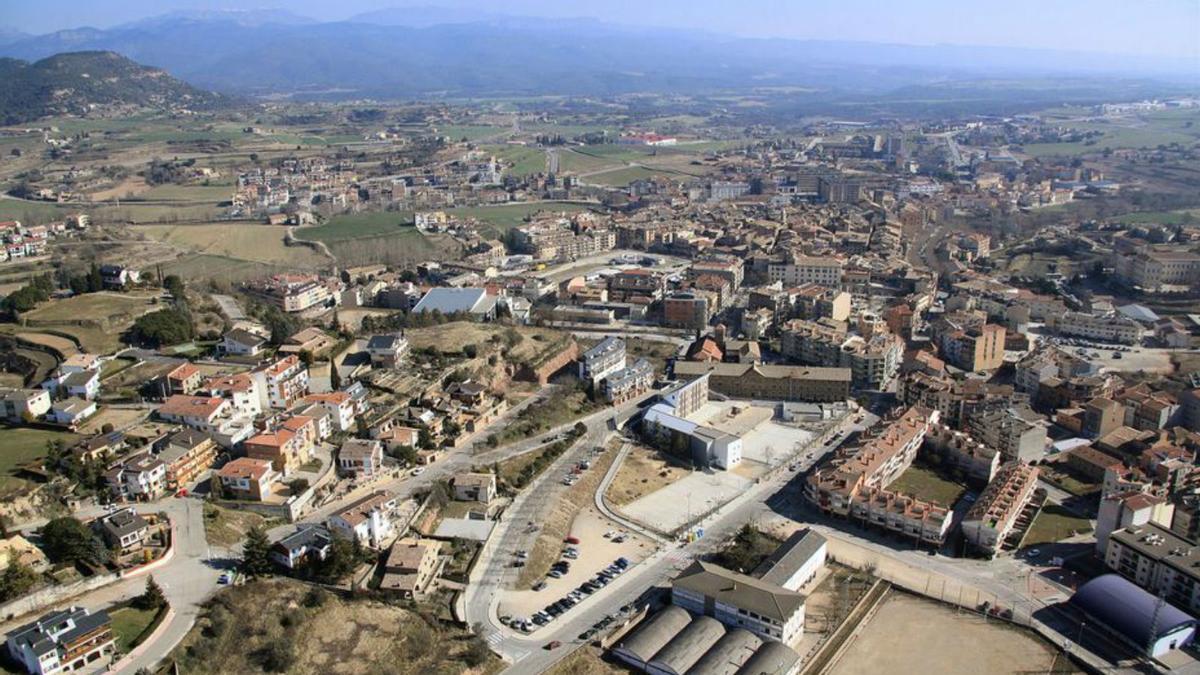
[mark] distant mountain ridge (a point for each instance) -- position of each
(429, 51)
(79, 82)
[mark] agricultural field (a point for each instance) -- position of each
(247, 241)
(187, 193)
(525, 160)
(622, 177)
(22, 446)
(358, 226)
(1146, 130)
(472, 132)
(91, 307)
(204, 266)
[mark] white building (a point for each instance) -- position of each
(368, 521)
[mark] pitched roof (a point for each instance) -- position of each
(738, 590)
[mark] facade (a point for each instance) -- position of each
(1159, 561)
(629, 383)
(994, 514)
(805, 270)
(411, 568)
(688, 309)
(475, 487)
(62, 641)
(770, 382)
(1109, 329)
(187, 454)
(1017, 432)
(184, 379)
(975, 348)
(361, 458)
(796, 561)
(283, 382)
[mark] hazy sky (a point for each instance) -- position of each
(1151, 27)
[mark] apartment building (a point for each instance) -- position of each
(282, 383)
(770, 382)
(1159, 561)
(687, 309)
(602, 360)
(853, 483)
(1155, 269)
(729, 269)
(807, 270)
(628, 383)
(340, 405)
(975, 348)
(184, 379)
(873, 361)
(296, 292)
(211, 414)
(1109, 329)
(994, 514)
(635, 286)
(959, 450)
(814, 301)
(142, 478)
(187, 454)
(285, 450)
(765, 609)
(62, 641)
(18, 405)
(1016, 431)
(243, 391)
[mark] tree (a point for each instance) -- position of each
(424, 439)
(256, 553)
(335, 378)
(175, 286)
(17, 579)
(344, 555)
(164, 327)
(67, 540)
(152, 598)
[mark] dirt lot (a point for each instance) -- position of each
(60, 344)
(586, 661)
(120, 418)
(454, 336)
(912, 635)
(283, 626)
(92, 306)
(226, 528)
(644, 470)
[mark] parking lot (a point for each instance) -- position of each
(595, 553)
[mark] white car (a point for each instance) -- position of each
(418, 471)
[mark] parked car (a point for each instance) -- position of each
(539, 585)
(572, 540)
(553, 644)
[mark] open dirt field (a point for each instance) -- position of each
(91, 306)
(257, 243)
(644, 470)
(911, 635)
(120, 418)
(60, 344)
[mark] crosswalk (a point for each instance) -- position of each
(496, 640)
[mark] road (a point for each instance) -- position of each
(525, 653)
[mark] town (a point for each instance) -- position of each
(601, 386)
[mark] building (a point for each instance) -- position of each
(20, 405)
(309, 543)
(296, 292)
(689, 309)
(247, 478)
(142, 478)
(796, 561)
(388, 350)
(124, 530)
(1102, 416)
(853, 484)
(807, 270)
(241, 342)
(666, 424)
(1108, 329)
(771, 382)
(368, 520)
(187, 454)
(411, 568)
(474, 302)
(994, 514)
(360, 458)
(282, 382)
(1124, 509)
(62, 641)
(1134, 616)
(475, 487)
(602, 360)
(1016, 431)
(1159, 560)
(739, 601)
(1154, 270)
(211, 414)
(184, 379)
(975, 348)
(628, 383)
(340, 405)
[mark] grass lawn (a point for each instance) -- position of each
(258, 243)
(925, 483)
(206, 266)
(128, 624)
(22, 446)
(359, 225)
(95, 306)
(526, 160)
(1055, 523)
(188, 193)
(1057, 474)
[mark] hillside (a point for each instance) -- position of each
(82, 82)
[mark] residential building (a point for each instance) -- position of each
(688, 309)
(1110, 329)
(187, 455)
(242, 390)
(474, 487)
(19, 405)
(628, 383)
(296, 292)
(211, 414)
(1126, 509)
(368, 520)
(994, 514)
(597, 363)
(183, 379)
(361, 458)
(71, 412)
(387, 351)
(142, 478)
(765, 609)
(412, 567)
(283, 448)
(1159, 561)
(124, 531)
(247, 478)
(62, 641)
(341, 406)
(807, 270)
(241, 342)
(309, 543)
(282, 382)
(1015, 430)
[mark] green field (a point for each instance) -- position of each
(1055, 523)
(187, 193)
(925, 483)
(1183, 216)
(22, 446)
(128, 624)
(570, 160)
(202, 266)
(525, 160)
(94, 306)
(471, 132)
(506, 216)
(359, 225)
(622, 177)
(34, 213)
(1147, 130)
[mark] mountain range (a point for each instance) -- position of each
(427, 52)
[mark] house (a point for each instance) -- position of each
(213, 415)
(124, 530)
(241, 342)
(62, 641)
(387, 350)
(411, 567)
(475, 487)
(118, 276)
(283, 448)
(187, 454)
(143, 478)
(84, 384)
(71, 412)
(360, 458)
(23, 404)
(368, 520)
(184, 379)
(312, 340)
(98, 448)
(240, 389)
(247, 478)
(309, 543)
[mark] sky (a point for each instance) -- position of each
(1147, 27)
